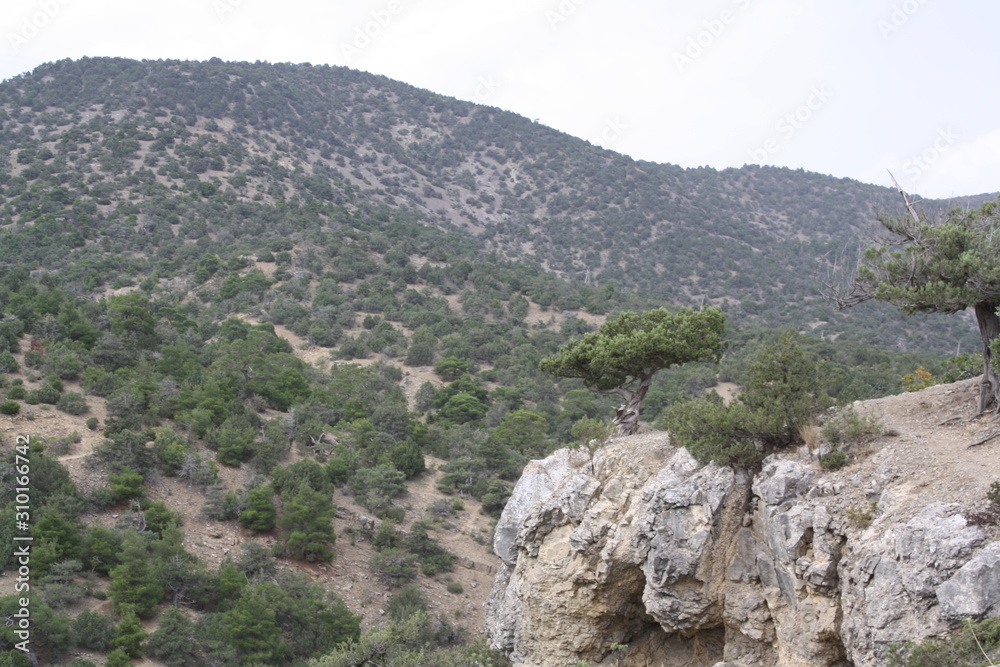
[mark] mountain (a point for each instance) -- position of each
(270, 339)
(117, 138)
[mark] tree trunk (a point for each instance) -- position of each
(627, 414)
(989, 329)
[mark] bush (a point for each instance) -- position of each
(127, 485)
(92, 630)
(72, 403)
(455, 587)
(781, 394)
(386, 536)
(93, 423)
(47, 393)
(977, 645)
(835, 460)
(10, 407)
(848, 427)
(407, 601)
(17, 392)
(394, 567)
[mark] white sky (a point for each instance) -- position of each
(848, 88)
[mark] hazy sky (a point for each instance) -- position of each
(848, 88)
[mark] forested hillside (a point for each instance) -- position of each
(275, 299)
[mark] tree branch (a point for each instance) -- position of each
(906, 200)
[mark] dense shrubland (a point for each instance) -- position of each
(174, 237)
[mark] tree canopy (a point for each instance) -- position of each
(940, 266)
(624, 354)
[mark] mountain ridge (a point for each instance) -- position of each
(749, 238)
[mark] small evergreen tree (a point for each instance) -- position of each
(626, 352)
(173, 641)
(260, 515)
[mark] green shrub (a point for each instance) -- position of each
(47, 393)
(394, 567)
(92, 629)
(455, 587)
(10, 407)
(976, 645)
(72, 403)
(393, 513)
(993, 495)
(848, 427)
(862, 515)
(17, 392)
(406, 602)
(835, 460)
(386, 536)
(782, 392)
(93, 423)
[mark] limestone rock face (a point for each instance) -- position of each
(639, 545)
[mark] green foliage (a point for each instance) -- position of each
(374, 488)
(8, 364)
(281, 623)
(158, 518)
(10, 407)
(72, 403)
(260, 514)
(101, 549)
(386, 536)
(127, 485)
(46, 393)
(92, 630)
(306, 523)
(451, 368)
(406, 602)
(849, 427)
(627, 351)
(834, 460)
(407, 458)
(432, 556)
(634, 346)
(783, 390)
(940, 266)
(128, 635)
(57, 539)
(862, 515)
(394, 567)
(975, 645)
(173, 640)
(135, 583)
(305, 472)
(588, 429)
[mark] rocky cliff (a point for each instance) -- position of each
(637, 555)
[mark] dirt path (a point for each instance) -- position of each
(930, 454)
